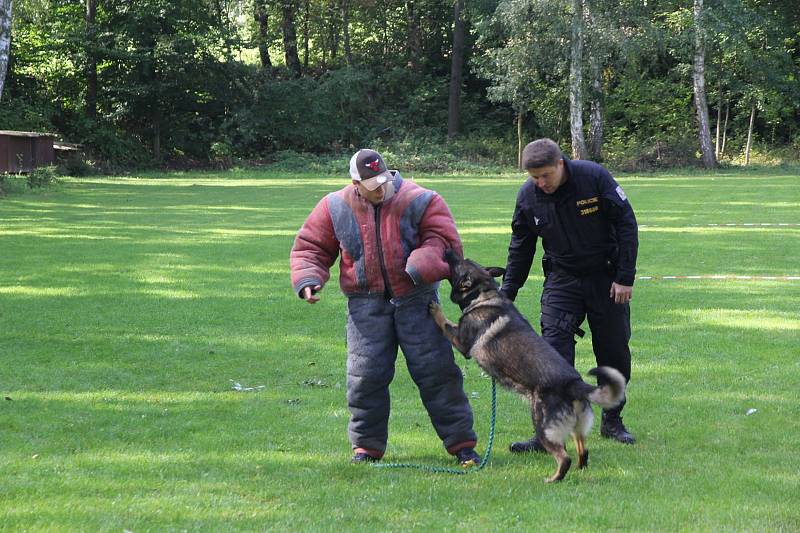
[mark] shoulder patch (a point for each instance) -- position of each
(621, 193)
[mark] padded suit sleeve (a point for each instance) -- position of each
(315, 249)
(437, 233)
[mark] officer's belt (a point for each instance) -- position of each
(602, 266)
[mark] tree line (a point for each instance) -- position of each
(654, 82)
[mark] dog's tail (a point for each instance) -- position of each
(610, 390)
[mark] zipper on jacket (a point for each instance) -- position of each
(388, 288)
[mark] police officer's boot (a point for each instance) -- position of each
(531, 445)
(612, 426)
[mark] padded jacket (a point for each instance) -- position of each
(389, 249)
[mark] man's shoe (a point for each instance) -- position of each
(467, 457)
(613, 428)
(362, 457)
(530, 445)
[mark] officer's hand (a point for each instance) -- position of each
(308, 293)
(621, 294)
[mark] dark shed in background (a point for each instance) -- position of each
(22, 151)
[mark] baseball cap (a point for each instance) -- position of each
(368, 167)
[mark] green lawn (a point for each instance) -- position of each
(127, 306)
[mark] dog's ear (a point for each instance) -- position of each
(496, 272)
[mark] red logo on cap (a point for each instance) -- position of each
(374, 166)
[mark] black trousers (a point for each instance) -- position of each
(568, 300)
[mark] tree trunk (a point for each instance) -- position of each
(456, 71)
(750, 134)
(157, 137)
(412, 36)
(725, 128)
(520, 140)
(333, 28)
(719, 121)
(306, 16)
(91, 59)
(699, 78)
(288, 9)
(5, 40)
(596, 115)
(576, 83)
(348, 54)
(261, 14)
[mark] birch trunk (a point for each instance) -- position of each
(306, 37)
(725, 128)
(576, 82)
(5, 40)
(520, 140)
(596, 113)
(699, 78)
(719, 121)
(750, 134)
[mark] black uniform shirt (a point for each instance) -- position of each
(585, 222)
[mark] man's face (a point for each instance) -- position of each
(548, 178)
(374, 197)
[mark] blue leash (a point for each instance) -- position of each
(461, 472)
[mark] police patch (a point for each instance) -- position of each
(621, 193)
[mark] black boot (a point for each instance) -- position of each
(530, 445)
(613, 428)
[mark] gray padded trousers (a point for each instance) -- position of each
(375, 329)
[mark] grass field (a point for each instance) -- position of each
(130, 307)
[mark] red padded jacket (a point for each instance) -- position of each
(399, 243)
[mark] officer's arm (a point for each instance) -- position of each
(619, 211)
(520, 251)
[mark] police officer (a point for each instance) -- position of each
(589, 236)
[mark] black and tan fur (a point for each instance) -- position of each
(493, 332)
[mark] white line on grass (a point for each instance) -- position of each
(729, 225)
(722, 277)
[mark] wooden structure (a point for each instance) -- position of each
(23, 151)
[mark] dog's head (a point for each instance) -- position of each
(469, 279)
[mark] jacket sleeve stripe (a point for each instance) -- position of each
(409, 223)
(348, 233)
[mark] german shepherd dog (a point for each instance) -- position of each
(493, 332)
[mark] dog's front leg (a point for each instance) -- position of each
(449, 329)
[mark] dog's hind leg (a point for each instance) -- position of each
(583, 426)
(559, 453)
(580, 447)
(552, 432)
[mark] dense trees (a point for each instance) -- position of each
(640, 83)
